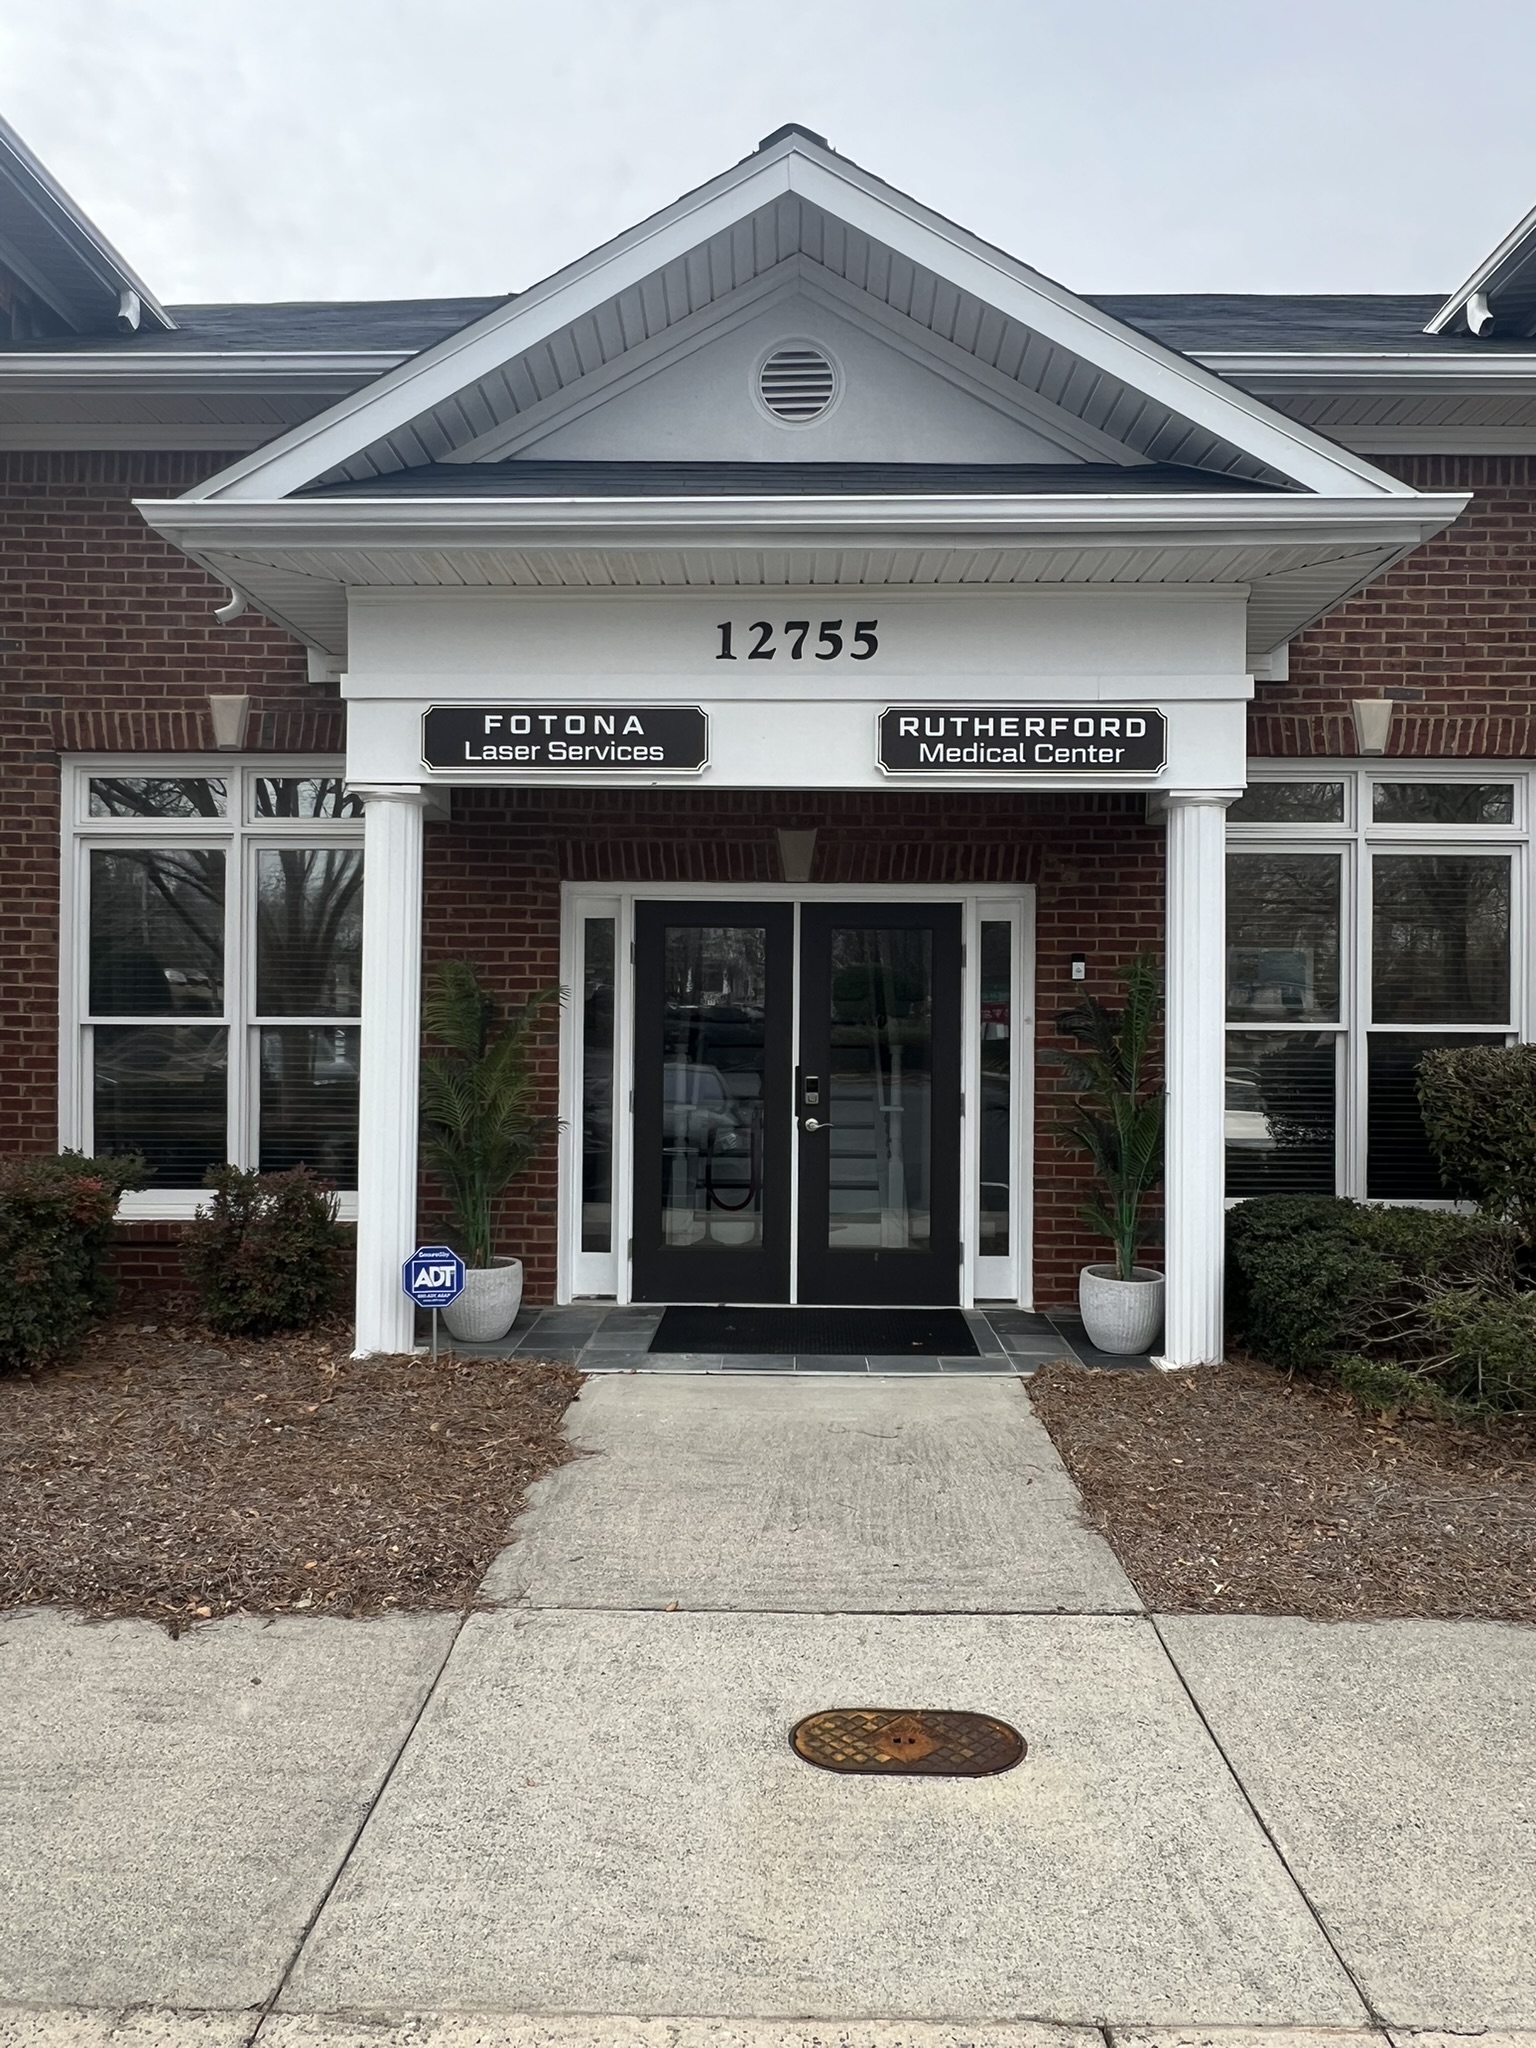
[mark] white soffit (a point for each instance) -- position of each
(796, 208)
(1295, 555)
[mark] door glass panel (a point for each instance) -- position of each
(996, 1169)
(879, 1100)
(714, 1058)
(597, 1084)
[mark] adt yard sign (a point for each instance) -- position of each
(433, 1276)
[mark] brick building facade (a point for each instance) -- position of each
(1297, 533)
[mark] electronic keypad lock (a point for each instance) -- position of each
(810, 1091)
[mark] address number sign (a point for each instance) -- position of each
(859, 637)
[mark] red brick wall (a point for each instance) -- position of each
(493, 896)
(107, 641)
(1450, 633)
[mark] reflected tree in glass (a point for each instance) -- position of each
(1440, 938)
(1283, 937)
(157, 932)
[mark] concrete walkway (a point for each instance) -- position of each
(580, 1803)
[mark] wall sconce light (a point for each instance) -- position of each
(797, 852)
(1373, 723)
(230, 717)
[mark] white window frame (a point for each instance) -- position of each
(1359, 840)
(242, 836)
(608, 1274)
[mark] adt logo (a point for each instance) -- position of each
(433, 1276)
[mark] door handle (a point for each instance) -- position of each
(811, 1124)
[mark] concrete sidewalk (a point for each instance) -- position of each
(581, 1803)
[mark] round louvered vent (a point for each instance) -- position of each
(797, 383)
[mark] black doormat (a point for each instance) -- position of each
(818, 1332)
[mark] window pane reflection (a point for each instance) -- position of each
(162, 1089)
(597, 1085)
(713, 1062)
(309, 1100)
(1399, 1164)
(1283, 937)
(303, 796)
(1443, 803)
(1440, 939)
(1289, 803)
(309, 931)
(157, 796)
(1279, 1119)
(157, 932)
(996, 1170)
(881, 1098)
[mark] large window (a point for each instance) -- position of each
(212, 972)
(1371, 914)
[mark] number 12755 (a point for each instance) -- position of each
(827, 645)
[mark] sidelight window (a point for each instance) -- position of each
(1369, 919)
(213, 964)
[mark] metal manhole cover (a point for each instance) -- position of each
(909, 1741)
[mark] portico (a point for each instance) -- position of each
(787, 529)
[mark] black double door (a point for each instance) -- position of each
(836, 1129)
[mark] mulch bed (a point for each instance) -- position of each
(1237, 1490)
(180, 1476)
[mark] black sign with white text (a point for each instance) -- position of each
(607, 738)
(1022, 739)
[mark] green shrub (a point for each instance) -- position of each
(1484, 1349)
(55, 1226)
(1314, 1278)
(1408, 1308)
(1384, 1387)
(1297, 1276)
(267, 1252)
(1479, 1106)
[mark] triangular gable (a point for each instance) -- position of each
(795, 219)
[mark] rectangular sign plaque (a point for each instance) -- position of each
(1022, 739)
(605, 738)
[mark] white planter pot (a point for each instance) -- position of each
(1122, 1317)
(488, 1306)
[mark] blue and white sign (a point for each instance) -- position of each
(433, 1276)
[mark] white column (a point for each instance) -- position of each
(389, 1067)
(1196, 1075)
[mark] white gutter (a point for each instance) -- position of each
(123, 367)
(1517, 367)
(801, 521)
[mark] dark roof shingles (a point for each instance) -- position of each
(539, 479)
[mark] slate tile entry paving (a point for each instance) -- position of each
(596, 1337)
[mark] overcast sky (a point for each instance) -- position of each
(271, 149)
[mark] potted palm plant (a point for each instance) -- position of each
(1117, 1120)
(479, 1131)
